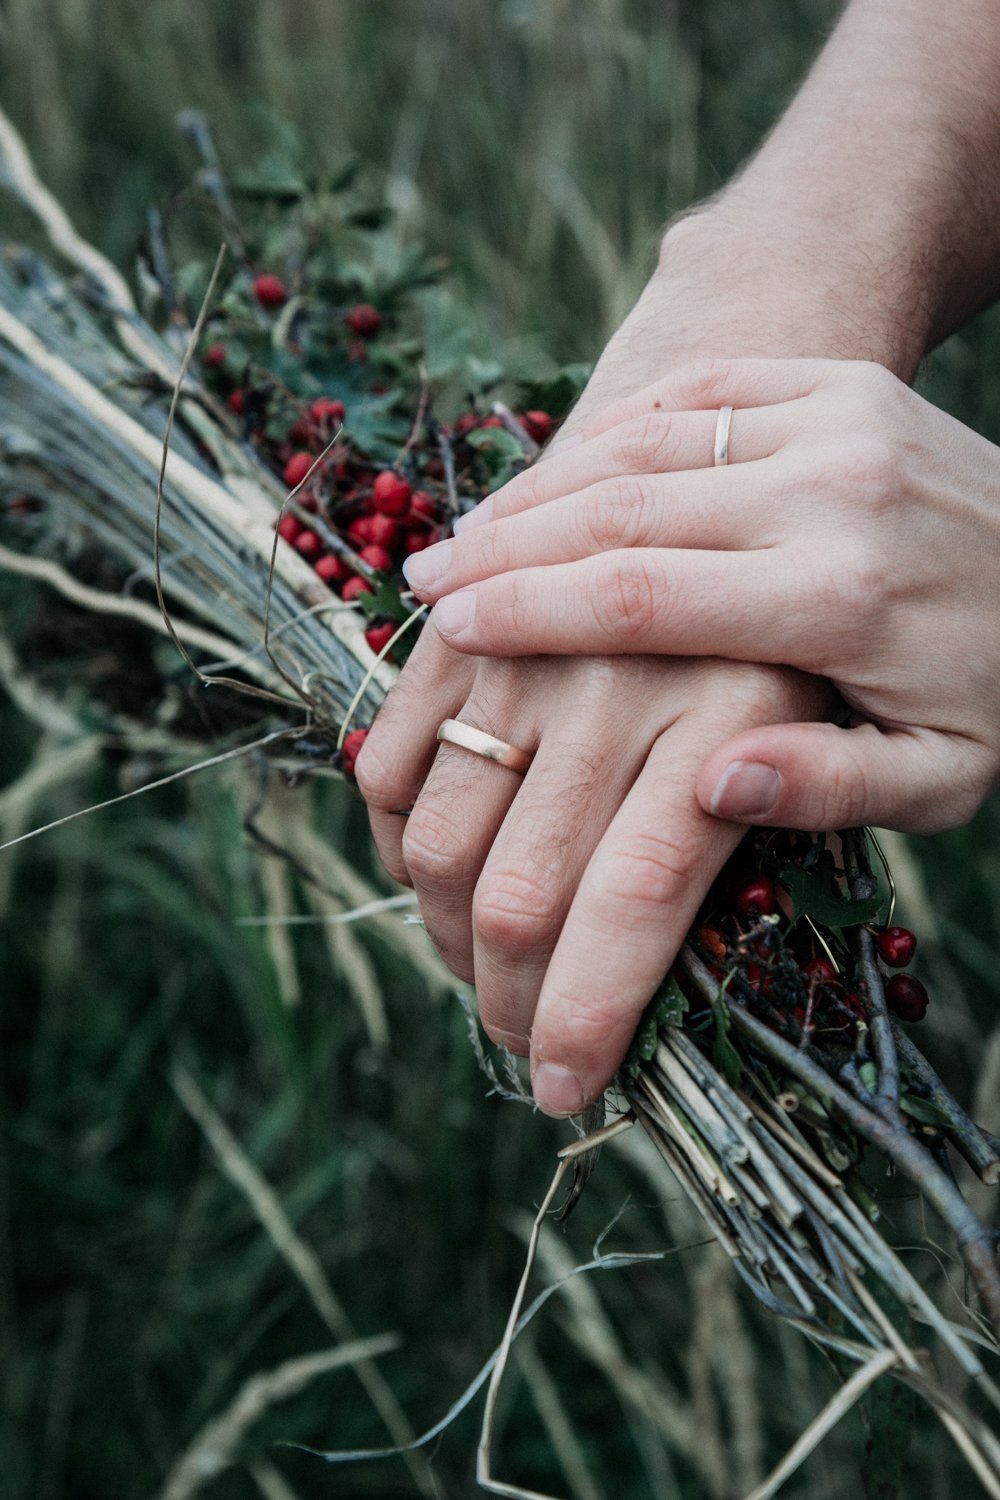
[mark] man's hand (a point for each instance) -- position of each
(566, 894)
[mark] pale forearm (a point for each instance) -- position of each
(878, 193)
(867, 226)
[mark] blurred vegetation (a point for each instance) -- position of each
(540, 144)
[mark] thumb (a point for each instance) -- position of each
(819, 777)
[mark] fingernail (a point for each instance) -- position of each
(557, 1091)
(746, 789)
(455, 612)
(422, 570)
(560, 444)
(473, 518)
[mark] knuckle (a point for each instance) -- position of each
(377, 773)
(647, 445)
(747, 693)
(704, 383)
(625, 600)
(435, 851)
(492, 549)
(516, 910)
(843, 799)
(651, 870)
(614, 515)
(590, 1020)
(852, 592)
(872, 470)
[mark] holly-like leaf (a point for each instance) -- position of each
(383, 603)
(500, 451)
(557, 394)
(815, 895)
(667, 1008)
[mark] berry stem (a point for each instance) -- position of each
(973, 1144)
(863, 886)
(888, 1135)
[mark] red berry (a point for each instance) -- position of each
(351, 748)
(820, 971)
(300, 431)
(360, 530)
(416, 541)
(896, 946)
(376, 557)
(423, 507)
(289, 527)
(214, 356)
(906, 997)
(382, 530)
(379, 636)
(237, 402)
(466, 423)
(309, 544)
(391, 494)
(364, 320)
(296, 469)
(537, 424)
(324, 410)
(755, 895)
(353, 587)
(270, 290)
(493, 421)
(331, 568)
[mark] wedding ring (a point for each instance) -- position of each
(722, 436)
(487, 745)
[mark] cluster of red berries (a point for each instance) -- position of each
(904, 995)
(381, 514)
(809, 989)
(370, 515)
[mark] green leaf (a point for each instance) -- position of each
(670, 1003)
(557, 394)
(923, 1110)
(495, 440)
(384, 603)
(667, 1008)
(724, 1054)
(868, 1073)
(815, 895)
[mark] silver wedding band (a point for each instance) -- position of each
(722, 436)
(454, 732)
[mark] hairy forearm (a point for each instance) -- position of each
(868, 223)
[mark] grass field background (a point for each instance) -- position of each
(539, 145)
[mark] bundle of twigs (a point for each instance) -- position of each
(144, 493)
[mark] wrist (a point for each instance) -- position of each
(740, 276)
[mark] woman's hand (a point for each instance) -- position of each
(855, 535)
(565, 894)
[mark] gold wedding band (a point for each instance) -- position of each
(722, 436)
(486, 745)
